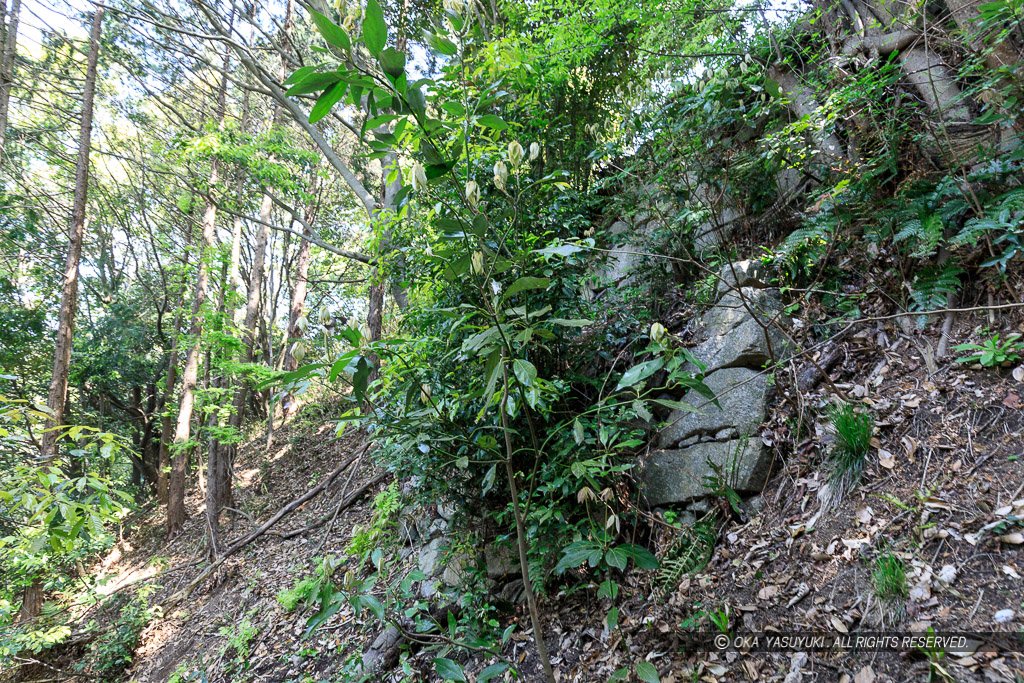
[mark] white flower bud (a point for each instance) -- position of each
(298, 351)
(657, 332)
(326, 318)
(534, 151)
(472, 193)
(500, 175)
(477, 262)
(425, 393)
(419, 177)
(515, 153)
(301, 323)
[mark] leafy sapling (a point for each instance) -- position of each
(992, 352)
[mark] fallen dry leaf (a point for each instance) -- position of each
(865, 675)
(839, 625)
(1016, 538)
(885, 459)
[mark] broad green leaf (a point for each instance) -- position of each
(620, 675)
(491, 671)
(612, 618)
(299, 74)
(488, 482)
(324, 103)
(441, 44)
(314, 82)
(647, 672)
(617, 557)
(577, 431)
(570, 322)
(575, 554)
(446, 668)
(642, 557)
(392, 62)
(332, 33)
(526, 283)
(640, 408)
(525, 372)
(375, 31)
(773, 88)
(492, 121)
(677, 405)
(638, 373)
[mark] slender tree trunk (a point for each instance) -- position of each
(32, 601)
(10, 52)
(218, 474)
(190, 375)
(298, 303)
(167, 419)
(256, 275)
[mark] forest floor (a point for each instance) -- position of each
(942, 491)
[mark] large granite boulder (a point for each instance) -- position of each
(748, 273)
(735, 338)
(680, 476)
(741, 395)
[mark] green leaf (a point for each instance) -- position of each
(677, 405)
(617, 557)
(446, 668)
(773, 88)
(647, 672)
(638, 373)
(642, 557)
(332, 33)
(392, 62)
(526, 373)
(640, 408)
(488, 482)
(417, 101)
(441, 44)
(314, 82)
(492, 121)
(491, 671)
(526, 283)
(324, 103)
(620, 675)
(577, 431)
(375, 31)
(299, 74)
(576, 554)
(612, 618)
(570, 322)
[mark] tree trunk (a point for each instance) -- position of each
(298, 303)
(10, 51)
(33, 598)
(167, 419)
(190, 375)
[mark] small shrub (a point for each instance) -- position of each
(112, 653)
(303, 589)
(992, 352)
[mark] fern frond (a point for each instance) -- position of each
(689, 553)
(933, 285)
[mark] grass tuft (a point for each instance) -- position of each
(890, 578)
(853, 429)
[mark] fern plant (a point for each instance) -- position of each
(924, 232)
(932, 287)
(689, 553)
